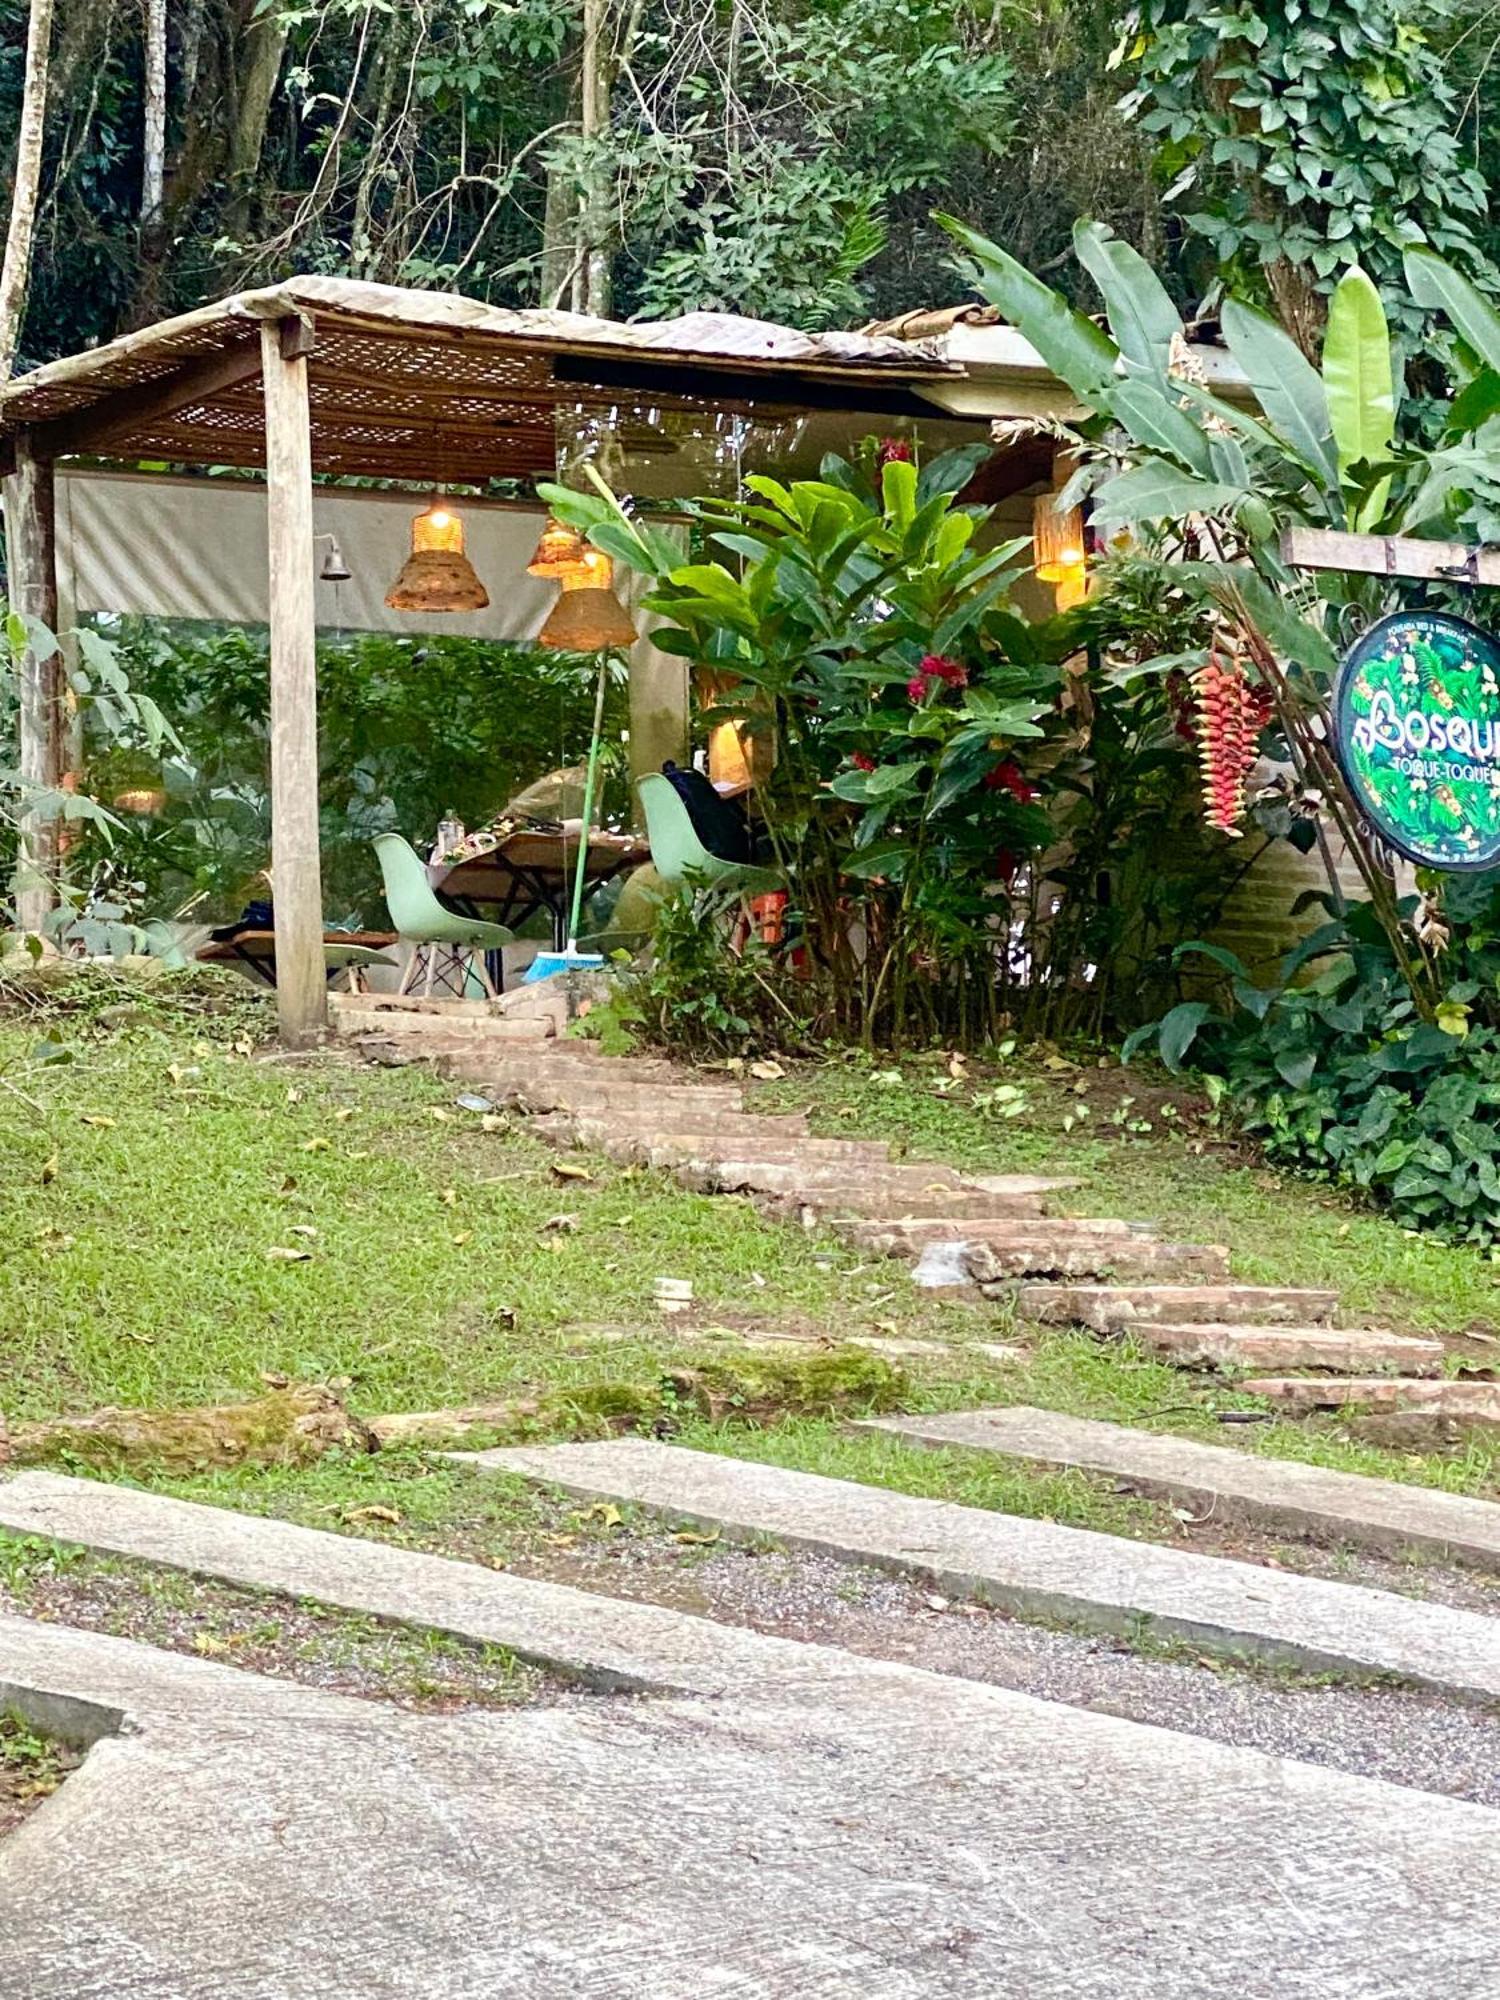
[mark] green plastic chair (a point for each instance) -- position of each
(680, 855)
(424, 923)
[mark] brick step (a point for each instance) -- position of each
(542, 1074)
(1050, 1253)
(1297, 1395)
(868, 1188)
(502, 1037)
(1112, 1308)
(690, 1139)
(896, 1235)
(654, 1104)
(1350, 1350)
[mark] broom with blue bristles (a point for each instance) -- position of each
(547, 963)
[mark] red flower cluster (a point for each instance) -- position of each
(1230, 716)
(936, 667)
(861, 760)
(1009, 777)
(894, 451)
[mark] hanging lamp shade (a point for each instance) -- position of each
(587, 616)
(437, 575)
(559, 550)
(1058, 553)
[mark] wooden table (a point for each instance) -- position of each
(256, 950)
(531, 871)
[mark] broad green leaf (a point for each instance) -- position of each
(1287, 386)
(1157, 491)
(1436, 284)
(1072, 346)
(1358, 383)
(1179, 1029)
(1141, 316)
(1153, 420)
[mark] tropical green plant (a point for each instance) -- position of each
(116, 713)
(1302, 136)
(1212, 485)
(866, 635)
(1332, 1071)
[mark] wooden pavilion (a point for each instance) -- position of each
(324, 378)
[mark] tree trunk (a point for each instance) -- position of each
(153, 112)
(16, 268)
(264, 45)
(591, 281)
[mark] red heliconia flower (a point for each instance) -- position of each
(937, 667)
(916, 687)
(861, 760)
(1009, 777)
(1230, 716)
(894, 451)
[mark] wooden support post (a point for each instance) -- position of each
(296, 879)
(31, 550)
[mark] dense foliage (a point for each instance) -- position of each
(409, 731)
(1301, 136)
(1333, 1071)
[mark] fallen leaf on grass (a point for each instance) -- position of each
(284, 1253)
(344, 1113)
(212, 1646)
(562, 1223)
(49, 1169)
(492, 1122)
(604, 1512)
(293, 1095)
(559, 1541)
(698, 1537)
(767, 1071)
(314, 1146)
(464, 1236)
(566, 1170)
(440, 1112)
(448, 1197)
(302, 1229)
(388, 1514)
(98, 1120)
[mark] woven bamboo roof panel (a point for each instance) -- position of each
(425, 384)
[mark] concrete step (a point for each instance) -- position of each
(1296, 1395)
(1039, 1569)
(1351, 1350)
(1050, 1254)
(1338, 1508)
(1113, 1308)
(423, 1035)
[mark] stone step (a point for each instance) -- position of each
(1039, 1569)
(995, 1267)
(635, 1138)
(662, 1102)
(899, 1235)
(1201, 1344)
(1340, 1508)
(464, 1035)
(1477, 1402)
(838, 1189)
(1113, 1308)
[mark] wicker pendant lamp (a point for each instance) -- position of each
(1057, 540)
(587, 617)
(559, 550)
(437, 575)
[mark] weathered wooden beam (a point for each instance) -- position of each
(1390, 555)
(31, 552)
(118, 416)
(296, 877)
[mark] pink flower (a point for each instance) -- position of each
(916, 687)
(893, 451)
(937, 667)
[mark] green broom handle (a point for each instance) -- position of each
(580, 872)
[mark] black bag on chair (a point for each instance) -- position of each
(721, 824)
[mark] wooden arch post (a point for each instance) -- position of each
(296, 875)
(42, 730)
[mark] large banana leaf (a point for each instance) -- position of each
(1153, 420)
(1434, 283)
(1157, 491)
(1359, 384)
(1288, 387)
(1073, 347)
(1142, 317)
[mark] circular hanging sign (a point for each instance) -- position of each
(1416, 724)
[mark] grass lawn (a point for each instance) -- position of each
(153, 1165)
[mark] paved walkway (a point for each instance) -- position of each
(1277, 1492)
(1040, 1568)
(912, 1839)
